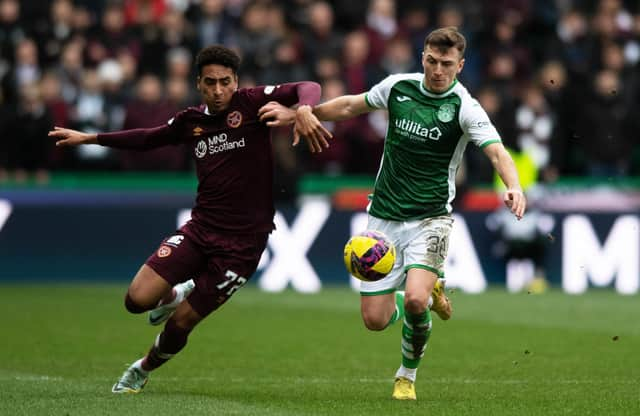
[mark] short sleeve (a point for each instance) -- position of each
(476, 124)
(378, 95)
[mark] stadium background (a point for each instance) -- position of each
(559, 79)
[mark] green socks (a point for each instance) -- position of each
(399, 312)
(416, 330)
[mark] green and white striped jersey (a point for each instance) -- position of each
(426, 137)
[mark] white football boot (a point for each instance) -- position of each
(164, 312)
(132, 381)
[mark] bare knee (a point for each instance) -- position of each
(374, 322)
(415, 304)
(146, 290)
(134, 305)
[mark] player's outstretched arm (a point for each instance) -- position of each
(342, 108)
(69, 137)
(513, 197)
(308, 123)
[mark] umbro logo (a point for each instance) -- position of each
(402, 98)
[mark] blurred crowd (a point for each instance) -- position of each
(560, 79)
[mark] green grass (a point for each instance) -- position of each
(62, 348)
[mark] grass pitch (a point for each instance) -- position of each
(63, 347)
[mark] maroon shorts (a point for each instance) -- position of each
(219, 263)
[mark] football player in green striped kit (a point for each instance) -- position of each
(432, 118)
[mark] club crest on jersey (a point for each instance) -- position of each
(164, 251)
(446, 112)
(234, 119)
(197, 131)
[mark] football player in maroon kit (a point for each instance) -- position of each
(233, 214)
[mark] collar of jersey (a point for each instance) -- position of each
(433, 94)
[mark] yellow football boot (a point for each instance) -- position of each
(441, 303)
(403, 389)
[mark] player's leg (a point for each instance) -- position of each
(416, 329)
(224, 276)
(146, 290)
(178, 256)
(379, 311)
(381, 304)
(424, 258)
(167, 344)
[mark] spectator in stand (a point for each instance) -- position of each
(56, 31)
(26, 69)
(320, 38)
(111, 37)
(150, 109)
(335, 159)
(214, 25)
(255, 40)
(82, 20)
(572, 46)
(89, 109)
(478, 169)
(535, 124)
(607, 128)
(505, 39)
(552, 79)
(51, 91)
(516, 44)
(173, 32)
(11, 32)
(111, 77)
(327, 67)
(501, 76)
(130, 70)
(69, 70)
(612, 57)
(28, 149)
(415, 26)
(381, 25)
(398, 57)
(285, 66)
(287, 54)
(179, 93)
(177, 32)
(359, 75)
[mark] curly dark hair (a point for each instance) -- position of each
(219, 55)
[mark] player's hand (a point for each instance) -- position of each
(308, 126)
(68, 137)
(276, 114)
(515, 200)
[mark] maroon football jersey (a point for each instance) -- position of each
(232, 152)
